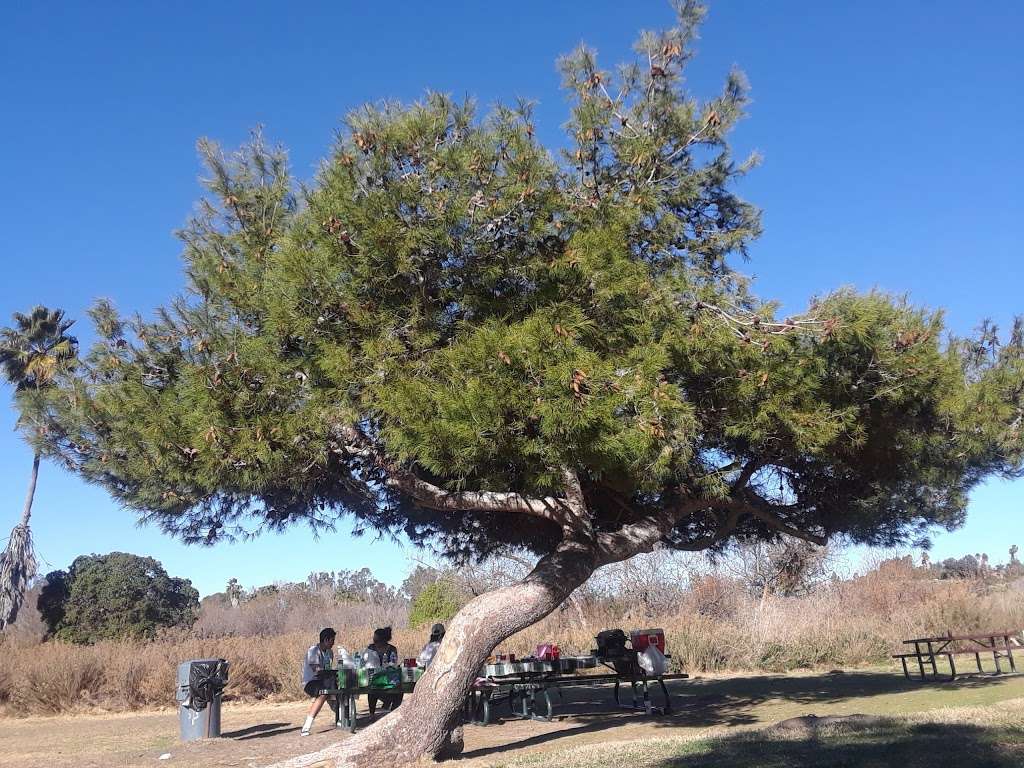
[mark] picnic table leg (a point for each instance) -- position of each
(1009, 653)
(347, 711)
(977, 658)
(549, 706)
(920, 660)
(931, 653)
(668, 700)
(485, 707)
(906, 672)
(952, 666)
(995, 656)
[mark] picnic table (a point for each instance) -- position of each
(528, 688)
(999, 643)
(345, 713)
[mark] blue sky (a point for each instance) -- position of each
(890, 133)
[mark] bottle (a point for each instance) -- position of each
(344, 660)
(358, 660)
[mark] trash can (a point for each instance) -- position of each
(200, 686)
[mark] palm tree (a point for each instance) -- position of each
(32, 353)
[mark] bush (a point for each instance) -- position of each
(436, 602)
(115, 596)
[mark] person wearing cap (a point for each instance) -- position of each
(427, 654)
(319, 658)
(387, 654)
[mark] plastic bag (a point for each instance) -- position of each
(371, 659)
(427, 654)
(386, 678)
(652, 661)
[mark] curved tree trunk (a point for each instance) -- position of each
(27, 511)
(423, 725)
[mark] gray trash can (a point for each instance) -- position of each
(200, 686)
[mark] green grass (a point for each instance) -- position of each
(978, 737)
(753, 699)
(896, 743)
(729, 723)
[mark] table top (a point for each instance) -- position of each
(563, 665)
(1002, 633)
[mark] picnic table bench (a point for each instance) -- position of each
(999, 643)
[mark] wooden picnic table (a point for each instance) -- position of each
(1000, 643)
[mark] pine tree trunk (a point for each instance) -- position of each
(423, 726)
(27, 512)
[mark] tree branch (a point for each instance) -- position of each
(354, 442)
(776, 523)
(642, 535)
(745, 474)
(645, 533)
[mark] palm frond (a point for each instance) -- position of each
(36, 348)
(18, 567)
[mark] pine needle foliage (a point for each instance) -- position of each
(451, 306)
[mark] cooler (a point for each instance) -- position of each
(642, 639)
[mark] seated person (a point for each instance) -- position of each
(319, 657)
(427, 654)
(386, 654)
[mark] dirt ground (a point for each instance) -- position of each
(256, 735)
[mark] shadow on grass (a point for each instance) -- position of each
(732, 701)
(729, 701)
(261, 731)
(892, 744)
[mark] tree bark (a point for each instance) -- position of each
(27, 512)
(424, 724)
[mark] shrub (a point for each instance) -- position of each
(437, 602)
(116, 595)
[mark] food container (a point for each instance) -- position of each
(642, 639)
(548, 652)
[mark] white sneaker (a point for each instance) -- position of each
(304, 733)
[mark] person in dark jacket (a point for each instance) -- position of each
(387, 654)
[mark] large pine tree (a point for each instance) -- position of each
(456, 335)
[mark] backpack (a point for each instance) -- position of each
(611, 644)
